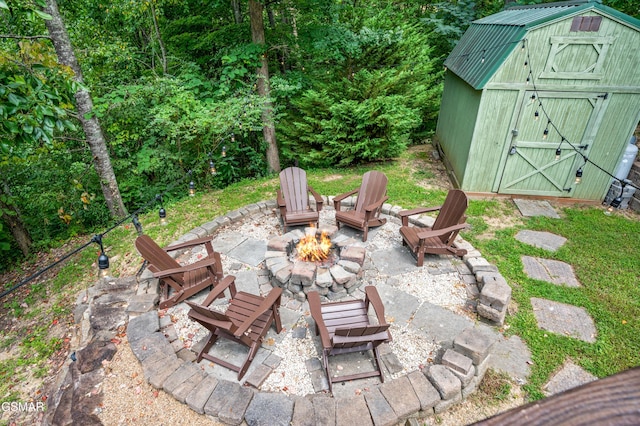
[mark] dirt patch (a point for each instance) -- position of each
(498, 223)
(424, 165)
(331, 178)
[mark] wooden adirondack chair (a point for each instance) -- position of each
(178, 282)
(293, 199)
(372, 193)
(345, 327)
(439, 239)
(246, 321)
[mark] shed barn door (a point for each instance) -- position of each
(531, 167)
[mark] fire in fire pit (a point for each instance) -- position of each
(312, 249)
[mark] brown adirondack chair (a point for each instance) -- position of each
(345, 327)
(246, 321)
(293, 199)
(372, 193)
(178, 282)
(439, 238)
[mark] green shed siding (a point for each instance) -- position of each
(621, 63)
(491, 139)
(613, 135)
(587, 81)
(458, 118)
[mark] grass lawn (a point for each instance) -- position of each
(38, 327)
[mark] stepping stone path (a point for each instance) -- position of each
(564, 319)
(555, 317)
(569, 376)
(544, 240)
(553, 271)
(535, 208)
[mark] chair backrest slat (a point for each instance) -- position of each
(293, 184)
(373, 188)
(156, 256)
(452, 212)
(361, 331)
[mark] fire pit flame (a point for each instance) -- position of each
(312, 249)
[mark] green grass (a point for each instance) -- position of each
(602, 249)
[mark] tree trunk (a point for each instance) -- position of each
(237, 13)
(268, 129)
(90, 123)
(156, 27)
(16, 226)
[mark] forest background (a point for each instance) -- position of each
(178, 87)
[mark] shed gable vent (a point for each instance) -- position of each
(586, 23)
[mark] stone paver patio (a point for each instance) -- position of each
(467, 347)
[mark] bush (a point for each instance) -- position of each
(389, 97)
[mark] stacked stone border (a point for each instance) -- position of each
(298, 278)
(112, 306)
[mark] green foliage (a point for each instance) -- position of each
(449, 20)
(5, 239)
(387, 95)
(34, 100)
(162, 127)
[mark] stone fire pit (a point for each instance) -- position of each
(335, 278)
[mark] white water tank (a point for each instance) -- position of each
(627, 160)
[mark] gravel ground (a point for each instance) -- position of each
(130, 400)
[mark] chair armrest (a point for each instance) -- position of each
(202, 318)
(404, 214)
(373, 298)
(418, 210)
(189, 243)
(280, 199)
(186, 268)
(338, 198)
(436, 233)
(316, 313)
(377, 204)
(267, 303)
(219, 288)
(316, 197)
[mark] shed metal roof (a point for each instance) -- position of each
(488, 41)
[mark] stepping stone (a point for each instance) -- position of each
(552, 271)
(563, 319)
(511, 356)
(569, 376)
(352, 411)
(247, 281)
(226, 242)
(268, 409)
(399, 306)
(394, 261)
(544, 240)
(249, 251)
(535, 208)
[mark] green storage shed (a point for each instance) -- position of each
(531, 82)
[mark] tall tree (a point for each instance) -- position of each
(268, 129)
(12, 217)
(84, 104)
